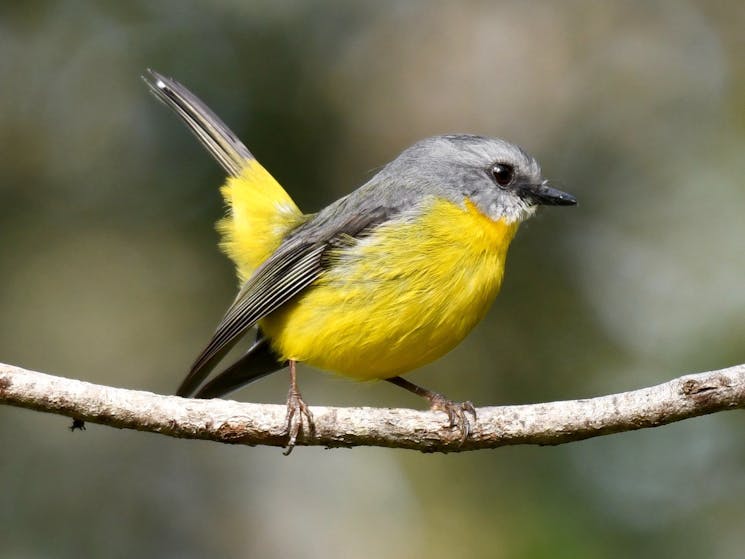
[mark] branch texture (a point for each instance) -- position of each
(263, 424)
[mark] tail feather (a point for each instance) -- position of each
(260, 212)
(260, 215)
(259, 361)
(212, 132)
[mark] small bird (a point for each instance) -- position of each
(376, 284)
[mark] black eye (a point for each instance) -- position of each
(504, 174)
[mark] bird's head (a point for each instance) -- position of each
(500, 178)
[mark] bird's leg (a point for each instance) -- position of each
(456, 410)
(296, 409)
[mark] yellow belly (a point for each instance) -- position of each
(398, 299)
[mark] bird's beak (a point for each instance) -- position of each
(548, 196)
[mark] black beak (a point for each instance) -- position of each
(548, 196)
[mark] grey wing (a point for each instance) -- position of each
(281, 277)
(290, 270)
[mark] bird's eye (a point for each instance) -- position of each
(503, 174)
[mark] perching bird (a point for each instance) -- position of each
(376, 284)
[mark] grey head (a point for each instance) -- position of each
(502, 179)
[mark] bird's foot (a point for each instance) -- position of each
(296, 410)
(456, 413)
(456, 410)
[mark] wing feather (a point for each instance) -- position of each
(295, 265)
(282, 277)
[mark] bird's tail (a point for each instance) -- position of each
(260, 212)
(259, 361)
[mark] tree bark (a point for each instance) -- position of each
(428, 431)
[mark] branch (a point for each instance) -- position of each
(263, 424)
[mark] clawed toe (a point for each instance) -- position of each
(456, 412)
(296, 410)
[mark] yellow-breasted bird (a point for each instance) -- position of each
(380, 282)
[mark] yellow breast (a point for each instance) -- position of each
(399, 298)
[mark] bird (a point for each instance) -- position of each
(376, 284)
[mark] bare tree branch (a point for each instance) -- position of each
(263, 424)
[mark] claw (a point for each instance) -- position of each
(456, 412)
(296, 409)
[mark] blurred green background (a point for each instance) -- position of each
(110, 273)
